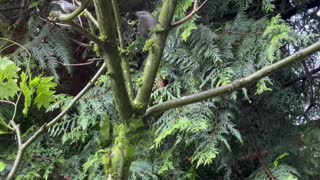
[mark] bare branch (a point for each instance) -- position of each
(8, 102)
(124, 60)
(95, 59)
(74, 65)
(86, 33)
(80, 43)
(89, 15)
(189, 16)
(90, 61)
(75, 13)
(16, 107)
(243, 82)
(91, 18)
(264, 167)
(20, 151)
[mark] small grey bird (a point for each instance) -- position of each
(146, 22)
(65, 6)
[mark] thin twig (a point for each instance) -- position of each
(80, 21)
(45, 126)
(90, 61)
(91, 18)
(86, 33)
(264, 167)
(80, 43)
(48, 20)
(89, 15)
(16, 107)
(242, 33)
(95, 59)
(8, 102)
(74, 65)
(189, 16)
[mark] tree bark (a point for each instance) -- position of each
(154, 57)
(112, 58)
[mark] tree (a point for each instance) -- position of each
(137, 104)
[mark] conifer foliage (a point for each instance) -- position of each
(209, 93)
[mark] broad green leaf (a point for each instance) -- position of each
(189, 26)
(34, 82)
(44, 92)
(8, 75)
(27, 92)
(8, 70)
(2, 166)
(8, 89)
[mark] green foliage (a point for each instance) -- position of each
(279, 33)
(277, 160)
(193, 125)
(149, 46)
(91, 168)
(2, 166)
(8, 79)
(182, 7)
(27, 92)
(44, 92)
(309, 154)
(40, 161)
(48, 47)
(262, 86)
(268, 6)
(190, 25)
(41, 86)
(280, 172)
(3, 132)
(91, 110)
(243, 4)
(231, 40)
(141, 169)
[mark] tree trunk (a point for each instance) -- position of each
(119, 156)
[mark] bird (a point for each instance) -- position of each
(146, 22)
(65, 6)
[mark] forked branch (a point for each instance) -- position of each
(75, 13)
(190, 15)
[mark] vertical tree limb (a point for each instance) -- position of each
(124, 60)
(112, 59)
(154, 57)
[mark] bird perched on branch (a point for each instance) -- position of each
(147, 23)
(65, 6)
